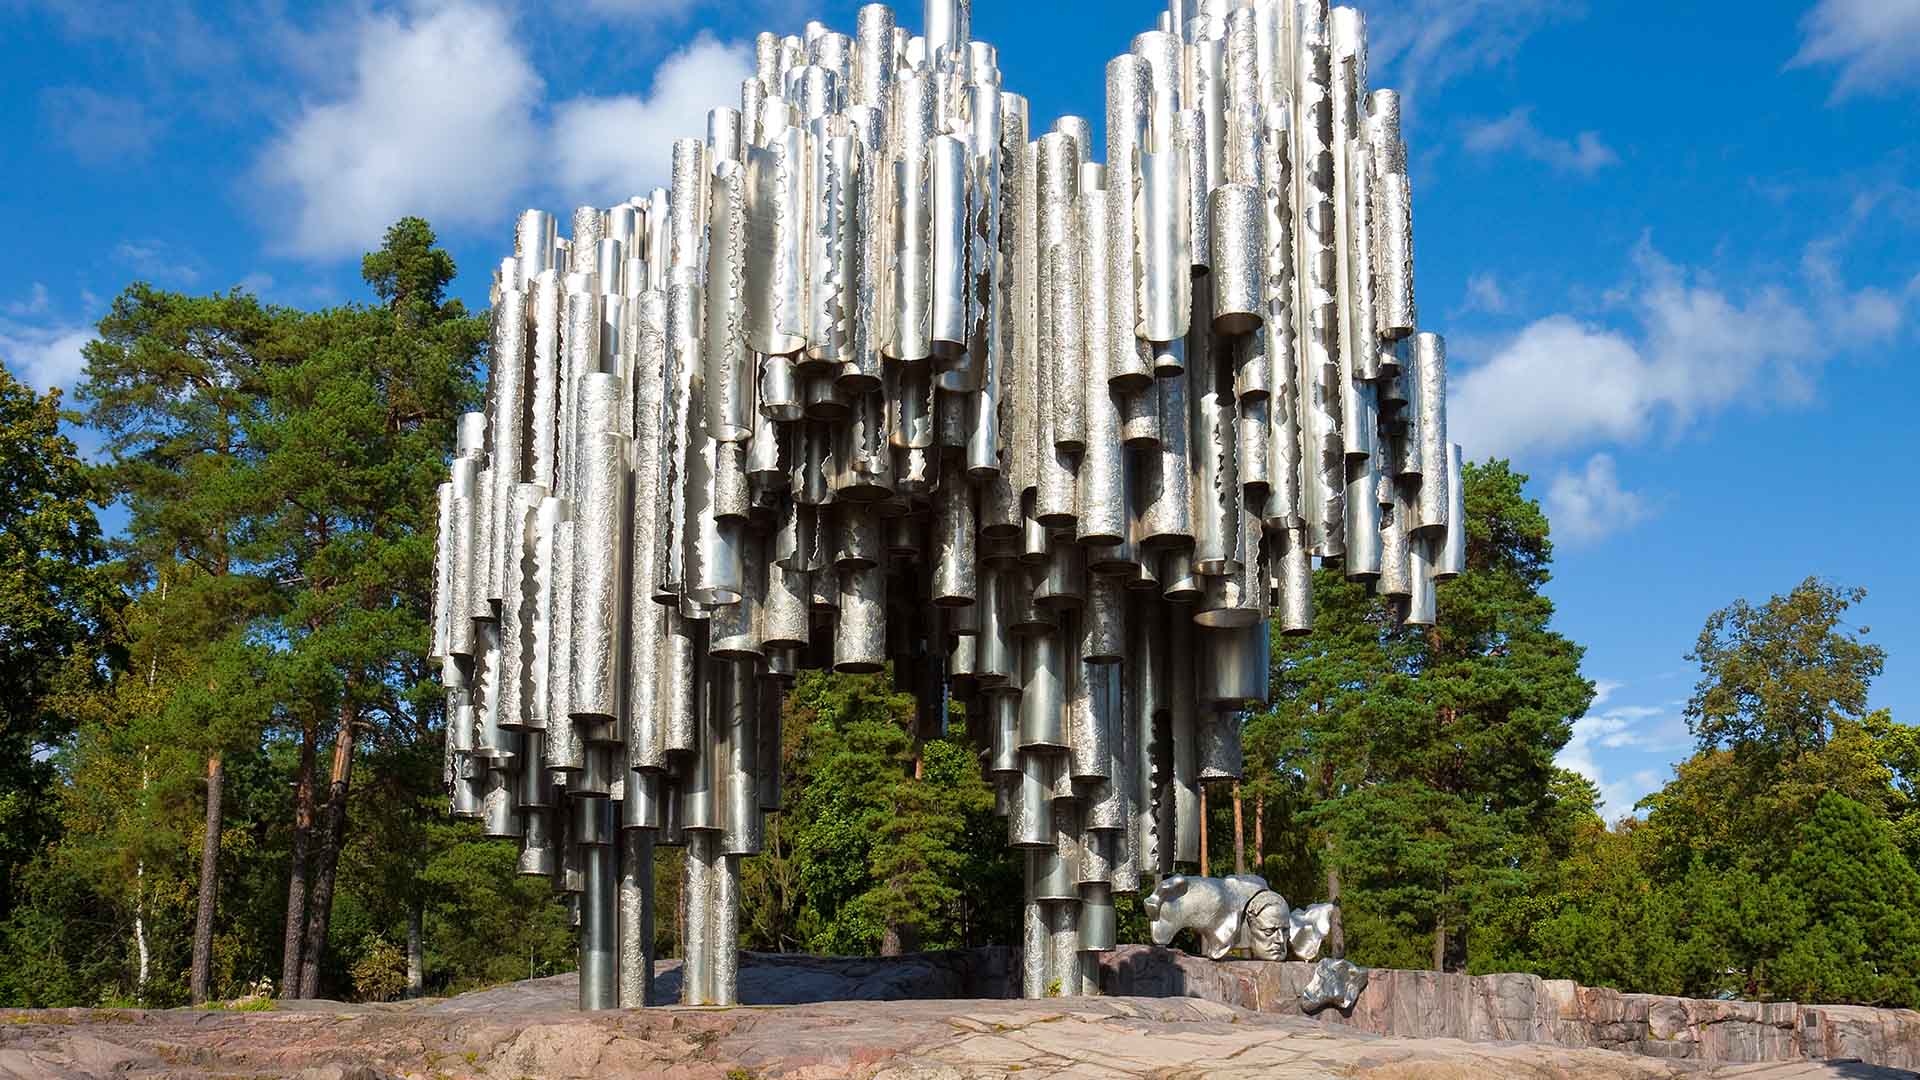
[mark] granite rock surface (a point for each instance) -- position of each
(947, 1016)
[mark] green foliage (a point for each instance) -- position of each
(1774, 864)
(1777, 678)
(881, 854)
(381, 972)
(485, 924)
(55, 601)
(1860, 899)
(1422, 761)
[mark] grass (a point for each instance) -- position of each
(245, 1004)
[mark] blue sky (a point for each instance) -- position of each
(1675, 248)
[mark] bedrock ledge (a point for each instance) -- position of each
(1527, 1008)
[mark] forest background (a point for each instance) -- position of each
(221, 740)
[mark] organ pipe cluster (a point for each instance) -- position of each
(892, 377)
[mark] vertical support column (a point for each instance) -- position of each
(634, 916)
(598, 982)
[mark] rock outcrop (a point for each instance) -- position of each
(1115, 1038)
(1526, 1008)
(1170, 1015)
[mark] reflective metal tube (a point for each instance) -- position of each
(599, 981)
(634, 920)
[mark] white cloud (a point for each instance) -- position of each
(1558, 383)
(1589, 504)
(1694, 348)
(642, 9)
(1607, 742)
(439, 121)
(155, 261)
(257, 282)
(1421, 44)
(45, 357)
(1584, 154)
(608, 148)
(35, 303)
(1485, 293)
(1875, 44)
(99, 128)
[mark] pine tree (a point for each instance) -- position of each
(1860, 900)
(178, 384)
(1428, 754)
(359, 421)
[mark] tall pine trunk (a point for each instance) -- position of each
(416, 952)
(1239, 832)
(1260, 833)
(320, 906)
(1337, 935)
(1440, 943)
(293, 943)
(202, 975)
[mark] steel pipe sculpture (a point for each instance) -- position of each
(890, 374)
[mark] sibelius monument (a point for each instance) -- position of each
(893, 375)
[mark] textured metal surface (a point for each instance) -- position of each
(1213, 908)
(634, 916)
(892, 372)
(1335, 982)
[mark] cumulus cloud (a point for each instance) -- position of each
(1588, 504)
(35, 304)
(98, 128)
(39, 345)
(45, 357)
(1423, 44)
(1691, 348)
(608, 148)
(438, 121)
(1611, 741)
(1584, 154)
(1874, 43)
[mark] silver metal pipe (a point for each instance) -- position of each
(599, 560)
(775, 278)
(697, 949)
(1451, 560)
(1129, 107)
(949, 203)
(742, 828)
(538, 856)
(518, 608)
(1213, 419)
(954, 539)
(1035, 941)
(728, 378)
(634, 920)
(1030, 824)
(1166, 252)
(1430, 368)
(1238, 214)
(599, 953)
